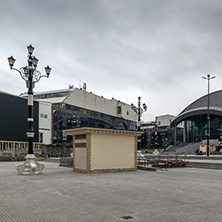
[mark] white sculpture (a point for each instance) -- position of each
(156, 152)
(30, 166)
(139, 154)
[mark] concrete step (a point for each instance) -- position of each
(217, 166)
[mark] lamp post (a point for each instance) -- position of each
(155, 124)
(31, 75)
(156, 144)
(139, 111)
(208, 78)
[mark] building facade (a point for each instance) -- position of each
(158, 134)
(55, 111)
(13, 125)
(73, 108)
(45, 122)
(194, 117)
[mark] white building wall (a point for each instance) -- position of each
(161, 121)
(165, 120)
(45, 121)
(127, 112)
(90, 101)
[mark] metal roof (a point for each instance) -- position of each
(199, 106)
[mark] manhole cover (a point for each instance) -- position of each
(127, 217)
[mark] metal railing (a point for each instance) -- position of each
(66, 161)
(162, 161)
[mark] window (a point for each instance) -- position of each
(41, 137)
(119, 109)
(17, 146)
(36, 146)
(80, 137)
(43, 115)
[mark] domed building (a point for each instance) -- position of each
(194, 117)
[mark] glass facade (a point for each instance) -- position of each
(52, 95)
(67, 116)
(161, 137)
(196, 127)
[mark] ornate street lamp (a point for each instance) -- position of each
(31, 76)
(208, 78)
(139, 111)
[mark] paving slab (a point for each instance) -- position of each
(59, 194)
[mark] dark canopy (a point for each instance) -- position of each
(200, 107)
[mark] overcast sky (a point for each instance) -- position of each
(156, 49)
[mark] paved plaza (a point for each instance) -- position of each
(59, 194)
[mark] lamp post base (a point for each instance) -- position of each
(156, 152)
(30, 166)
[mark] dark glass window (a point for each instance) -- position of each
(119, 110)
(74, 117)
(196, 127)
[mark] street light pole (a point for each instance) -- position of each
(31, 76)
(139, 111)
(208, 78)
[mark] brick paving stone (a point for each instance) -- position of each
(59, 194)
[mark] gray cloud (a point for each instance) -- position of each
(158, 50)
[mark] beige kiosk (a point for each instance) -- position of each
(103, 150)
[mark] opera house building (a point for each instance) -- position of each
(194, 117)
